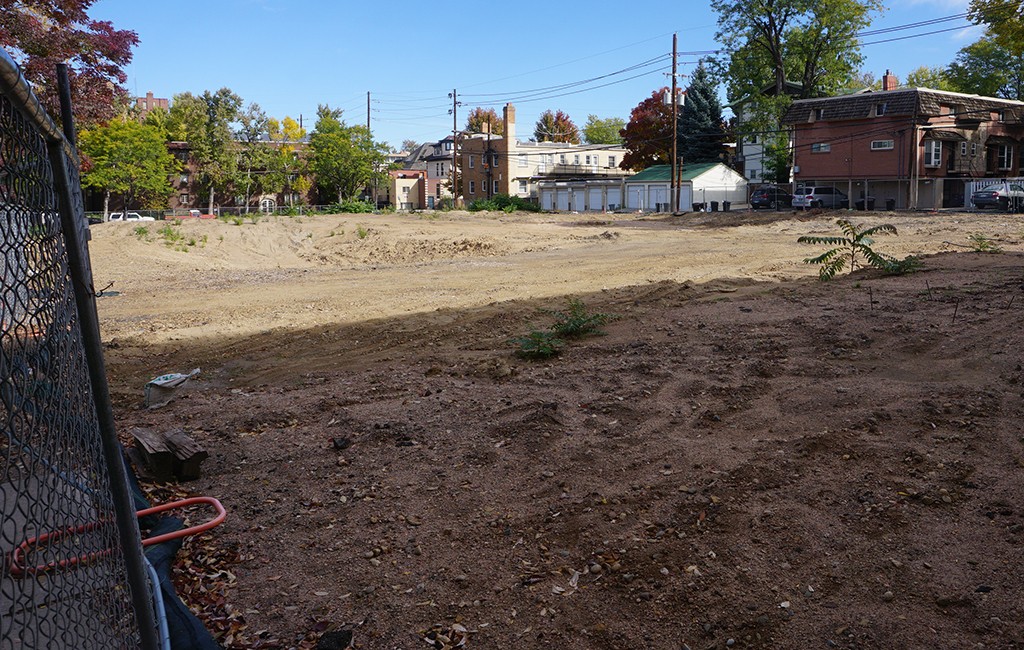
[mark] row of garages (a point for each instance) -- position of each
(647, 191)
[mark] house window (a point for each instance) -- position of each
(753, 139)
(495, 188)
(576, 159)
(471, 162)
(405, 189)
(963, 149)
(184, 179)
(611, 161)
(880, 109)
(819, 113)
(1004, 156)
(821, 147)
(183, 199)
(522, 160)
(588, 160)
(1001, 116)
(882, 145)
(522, 187)
(561, 159)
(437, 191)
(447, 146)
(753, 174)
(494, 159)
(472, 187)
(974, 148)
(932, 153)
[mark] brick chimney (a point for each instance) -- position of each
(889, 81)
(509, 122)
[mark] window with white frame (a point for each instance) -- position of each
(576, 159)
(184, 179)
(1004, 156)
(611, 161)
(405, 189)
(881, 108)
(588, 160)
(494, 159)
(183, 199)
(821, 147)
(522, 160)
(522, 187)
(963, 148)
(819, 113)
(932, 153)
(753, 174)
(471, 162)
(495, 189)
(472, 187)
(882, 145)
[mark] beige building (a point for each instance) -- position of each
(492, 164)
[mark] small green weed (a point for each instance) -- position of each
(538, 344)
(361, 232)
(142, 232)
(982, 244)
(237, 220)
(576, 322)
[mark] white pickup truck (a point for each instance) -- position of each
(128, 216)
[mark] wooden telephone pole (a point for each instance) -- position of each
(455, 147)
(674, 185)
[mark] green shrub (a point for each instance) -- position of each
(142, 232)
(575, 322)
(982, 244)
(352, 206)
(361, 232)
(503, 203)
(850, 248)
(538, 345)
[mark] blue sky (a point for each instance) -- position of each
(289, 56)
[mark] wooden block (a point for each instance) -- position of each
(169, 454)
(154, 452)
(188, 455)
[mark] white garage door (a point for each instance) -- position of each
(563, 200)
(614, 198)
(685, 198)
(547, 200)
(578, 200)
(594, 203)
(657, 197)
(635, 197)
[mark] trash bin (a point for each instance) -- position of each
(890, 204)
(844, 204)
(725, 205)
(714, 206)
(866, 204)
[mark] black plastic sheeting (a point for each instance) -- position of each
(185, 630)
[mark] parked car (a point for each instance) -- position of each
(819, 197)
(771, 197)
(129, 216)
(999, 195)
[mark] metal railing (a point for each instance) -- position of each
(72, 574)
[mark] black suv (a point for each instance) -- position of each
(772, 197)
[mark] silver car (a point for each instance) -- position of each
(819, 197)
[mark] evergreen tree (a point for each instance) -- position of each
(701, 127)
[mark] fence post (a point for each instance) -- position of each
(85, 302)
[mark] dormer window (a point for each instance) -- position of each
(1000, 116)
(819, 113)
(881, 109)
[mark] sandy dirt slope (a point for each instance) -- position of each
(747, 454)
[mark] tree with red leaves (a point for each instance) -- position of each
(39, 34)
(648, 136)
(556, 127)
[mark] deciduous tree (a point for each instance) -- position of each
(556, 127)
(648, 135)
(40, 34)
(603, 131)
(287, 168)
(344, 158)
(479, 118)
(129, 159)
(1005, 20)
(934, 77)
(985, 67)
(254, 155)
(701, 127)
(205, 122)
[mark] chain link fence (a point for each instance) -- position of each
(68, 578)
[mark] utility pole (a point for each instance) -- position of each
(673, 186)
(367, 110)
(371, 136)
(455, 146)
(489, 158)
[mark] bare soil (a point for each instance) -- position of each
(748, 458)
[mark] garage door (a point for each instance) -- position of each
(547, 199)
(563, 200)
(635, 197)
(614, 198)
(578, 198)
(657, 198)
(685, 198)
(594, 202)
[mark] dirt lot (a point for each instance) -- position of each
(749, 458)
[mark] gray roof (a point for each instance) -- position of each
(908, 102)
